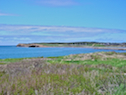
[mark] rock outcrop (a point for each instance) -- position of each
(30, 45)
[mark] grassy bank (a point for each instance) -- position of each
(81, 74)
(71, 45)
(84, 44)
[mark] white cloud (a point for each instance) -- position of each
(31, 29)
(6, 14)
(56, 2)
(32, 33)
(3, 14)
(21, 38)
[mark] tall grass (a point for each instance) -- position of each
(55, 76)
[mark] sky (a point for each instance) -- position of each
(29, 21)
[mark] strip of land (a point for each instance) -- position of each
(101, 73)
(95, 45)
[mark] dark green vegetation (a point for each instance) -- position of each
(81, 44)
(82, 74)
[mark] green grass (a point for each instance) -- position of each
(11, 60)
(54, 45)
(112, 62)
(104, 65)
(98, 45)
(2, 63)
(68, 45)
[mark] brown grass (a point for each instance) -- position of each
(38, 77)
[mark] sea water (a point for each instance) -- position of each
(22, 52)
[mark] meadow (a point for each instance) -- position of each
(101, 73)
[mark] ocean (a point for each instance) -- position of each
(23, 52)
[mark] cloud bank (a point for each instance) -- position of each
(6, 14)
(15, 34)
(55, 2)
(3, 14)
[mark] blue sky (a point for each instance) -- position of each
(27, 21)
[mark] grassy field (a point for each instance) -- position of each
(102, 73)
(72, 45)
(84, 44)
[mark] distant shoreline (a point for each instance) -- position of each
(94, 45)
(109, 48)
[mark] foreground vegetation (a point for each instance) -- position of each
(100, 73)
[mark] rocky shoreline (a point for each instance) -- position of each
(30, 45)
(110, 48)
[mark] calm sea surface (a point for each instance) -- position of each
(21, 52)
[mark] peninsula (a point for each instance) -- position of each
(95, 45)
